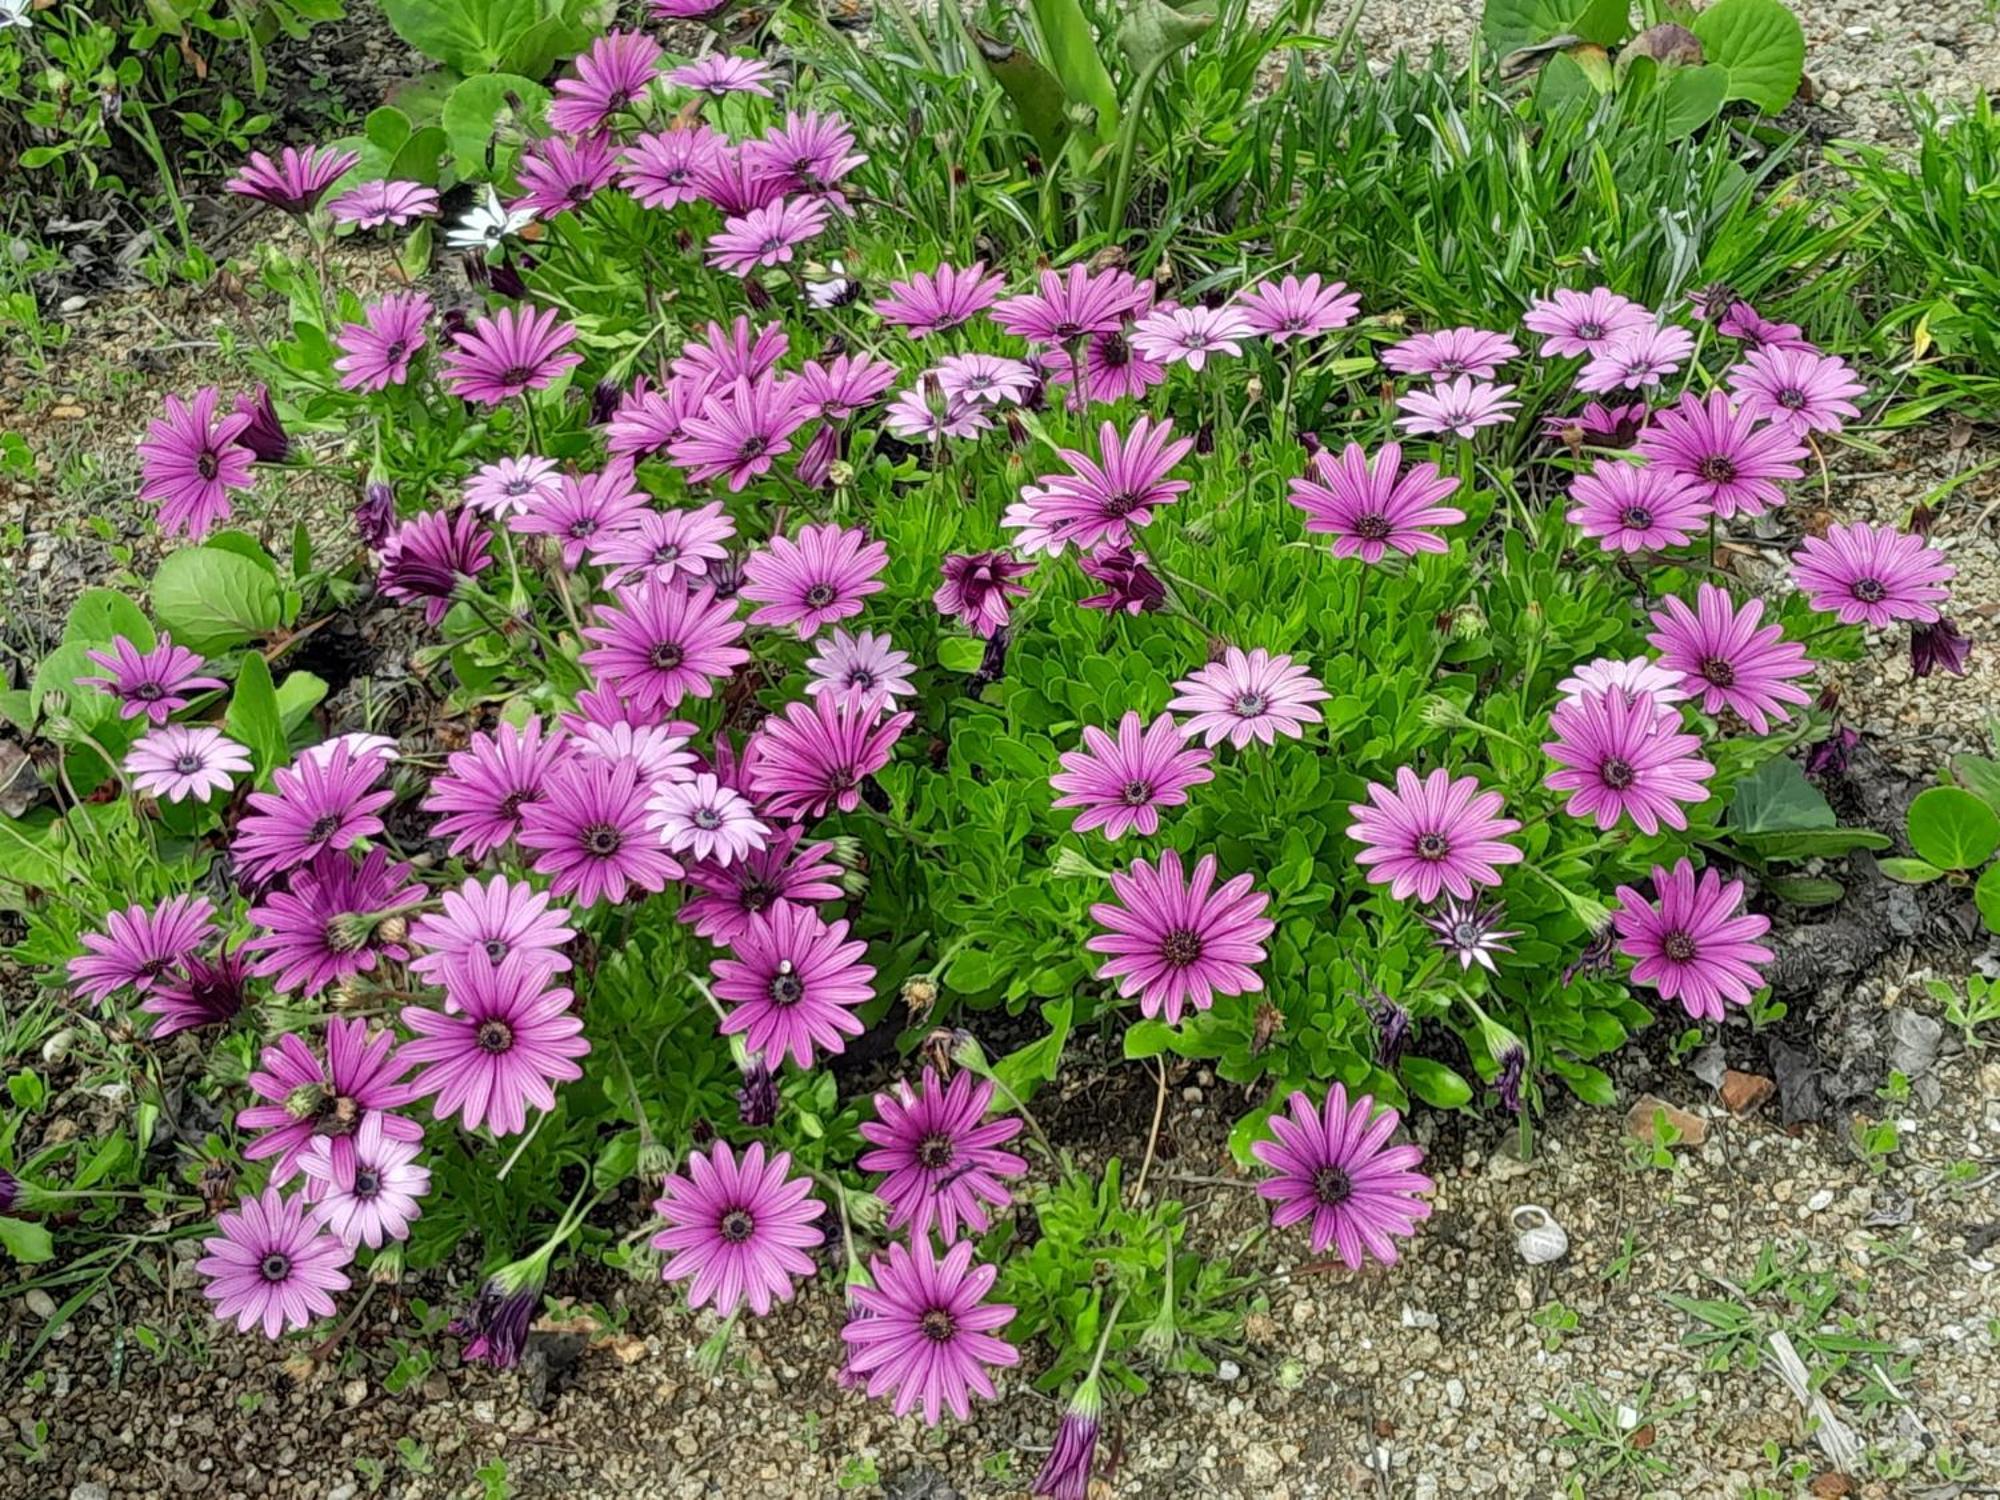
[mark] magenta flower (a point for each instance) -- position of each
(1638, 357)
(1698, 946)
(138, 947)
(1113, 369)
(734, 181)
(796, 983)
(431, 556)
(1240, 698)
(509, 1040)
(1451, 353)
(1583, 322)
(719, 75)
(924, 414)
(591, 833)
(1799, 390)
(376, 352)
(1735, 462)
(1723, 654)
(838, 388)
(374, 1197)
(1071, 304)
(816, 754)
(265, 435)
(1631, 507)
(922, 1329)
(1624, 755)
(706, 820)
(1874, 574)
(584, 509)
(370, 205)
(307, 1100)
(766, 236)
(978, 588)
(986, 378)
(484, 923)
(941, 1154)
(1430, 835)
(561, 176)
(1102, 500)
(659, 750)
(809, 583)
(739, 352)
(740, 432)
(1335, 1166)
(739, 1230)
(662, 547)
(1369, 506)
(324, 928)
(732, 896)
(659, 645)
(648, 423)
(1460, 407)
(1128, 585)
(156, 683)
(316, 805)
(202, 992)
(1065, 1473)
(297, 180)
(484, 787)
(613, 75)
(1599, 426)
(1291, 309)
(660, 169)
(191, 460)
(1938, 645)
(514, 351)
(1122, 784)
(271, 1263)
(1745, 324)
(934, 300)
(809, 153)
(185, 760)
(512, 486)
(1177, 941)
(859, 666)
(1189, 335)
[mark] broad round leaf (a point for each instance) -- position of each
(1953, 829)
(1986, 895)
(211, 599)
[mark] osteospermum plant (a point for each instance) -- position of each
(870, 637)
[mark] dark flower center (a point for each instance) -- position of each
(755, 895)
(208, 465)
(666, 552)
(1869, 590)
(496, 949)
(1638, 518)
(516, 488)
(786, 988)
(1679, 947)
(861, 677)
(772, 243)
(338, 1115)
(394, 352)
(1616, 774)
(188, 764)
(820, 595)
(1718, 671)
(666, 656)
(494, 1036)
(511, 804)
(1432, 846)
(324, 827)
(602, 840)
(1332, 1186)
(1120, 504)
(1181, 947)
(1136, 793)
(707, 819)
(935, 1152)
(1589, 331)
(367, 1182)
(754, 446)
(275, 1267)
(1792, 399)
(1250, 705)
(1113, 352)
(1717, 468)
(736, 1226)
(516, 375)
(937, 1325)
(1372, 528)
(583, 526)
(149, 692)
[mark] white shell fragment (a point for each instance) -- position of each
(1538, 1236)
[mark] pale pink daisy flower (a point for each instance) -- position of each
(719, 74)
(582, 509)
(484, 922)
(1723, 450)
(767, 236)
(186, 760)
(1244, 697)
(662, 546)
(1621, 755)
(1640, 674)
(794, 983)
(916, 417)
(1583, 322)
(1292, 309)
(1460, 407)
(705, 820)
(370, 1195)
(1452, 353)
(1638, 357)
(859, 666)
(1630, 507)
(1872, 574)
(933, 300)
(371, 205)
(1189, 335)
(1432, 834)
(271, 1263)
(1103, 499)
(989, 379)
(1799, 390)
(512, 486)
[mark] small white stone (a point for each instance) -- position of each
(1227, 1371)
(1454, 1393)
(41, 1304)
(1820, 1201)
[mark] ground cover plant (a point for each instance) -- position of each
(876, 638)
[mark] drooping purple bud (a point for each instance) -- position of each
(757, 1099)
(1936, 645)
(604, 402)
(1831, 755)
(816, 462)
(1129, 585)
(1597, 956)
(1392, 1029)
(375, 516)
(1513, 1067)
(265, 437)
(1066, 1475)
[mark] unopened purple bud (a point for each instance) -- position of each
(604, 402)
(265, 437)
(757, 1099)
(816, 462)
(1066, 1475)
(1392, 1029)
(505, 276)
(375, 516)
(1597, 956)
(1129, 585)
(1936, 645)
(10, 1189)
(1832, 754)
(1513, 1067)
(499, 1316)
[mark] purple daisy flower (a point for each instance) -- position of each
(1460, 407)
(324, 929)
(590, 829)
(1129, 585)
(1736, 463)
(185, 760)
(512, 486)
(730, 897)
(766, 236)
(742, 351)
(297, 180)
(376, 1197)
(484, 923)
(1723, 654)
(923, 1329)
(139, 947)
(612, 75)
(374, 204)
(838, 388)
(1583, 322)
(584, 509)
(1101, 500)
(659, 645)
(808, 153)
(738, 1231)
(1432, 834)
(740, 432)
(934, 300)
(484, 787)
(561, 176)
(1295, 309)
(203, 992)
(719, 75)
(271, 1263)
(1240, 698)
(315, 805)
(1122, 784)
(924, 414)
(1451, 353)
(156, 683)
(795, 982)
(191, 460)
(1624, 755)
(509, 1039)
(1745, 324)
(942, 1155)
(661, 547)
(1873, 574)
(1698, 946)
(977, 589)
(1177, 941)
(1470, 931)
(1632, 507)
(809, 583)
(706, 820)
(1190, 335)
(651, 422)
(1071, 304)
(514, 351)
(816, 754)
(431, 556)
(734, 182)
(991, 379)
(376, 352)
(307, 1100)
(660, 169)
(1797, 389)
(1114, 368)
(1635, 358)
(859, 666)
(1335, 1166)
(1369, 506)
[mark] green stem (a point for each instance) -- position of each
(1128, 146)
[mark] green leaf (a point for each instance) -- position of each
(213, 599)
(1037, 1062)
(1805, 890)
(1822, 843)
(298, 695)
(1035, 92)
(1144, 1038)
(1762, 45)
(1074, 59)
(1154, 31)
(1909, 871)
(386, 129)
(1979, 776)
(961, 653)
(418, 159)
(1509, 25)
(478, 108)
(469, 35)
(1953, 829)
(1777, 798)
(28, 1243)
(1434, 1083)
(1691, 97)
(253, 720)
(99, 615)
(1986, 896)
